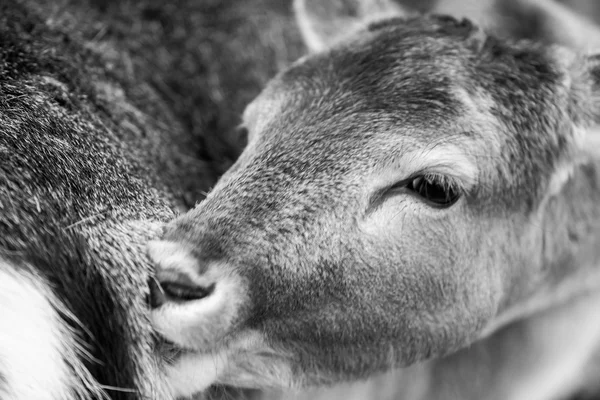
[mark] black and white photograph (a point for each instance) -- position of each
(299, 199)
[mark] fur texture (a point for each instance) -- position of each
(113, 115)
(347, 279)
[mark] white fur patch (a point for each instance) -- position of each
(194, 373)
(31, 340)
(246, 361)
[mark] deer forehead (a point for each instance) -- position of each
(399, 92)
(410, 76)
(365, 120)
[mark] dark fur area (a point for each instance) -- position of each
(182, 67)
(113, 115)
(66, 170)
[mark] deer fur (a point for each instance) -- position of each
(492, 298)
(111, 121)
(112, 116)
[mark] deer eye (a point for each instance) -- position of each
(437, 190)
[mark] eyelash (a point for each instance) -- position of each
(438, 191)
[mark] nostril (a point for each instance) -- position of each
(179, 277)
(178, 291)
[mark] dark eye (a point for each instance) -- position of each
(438, 191)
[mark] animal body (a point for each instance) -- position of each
(99, 146)
(416, 194)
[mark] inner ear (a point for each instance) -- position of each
(326, 22)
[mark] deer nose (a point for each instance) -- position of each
(193, 302)
(177, 276)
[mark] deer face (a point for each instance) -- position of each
(386, 210)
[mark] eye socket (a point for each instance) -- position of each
(437, 190)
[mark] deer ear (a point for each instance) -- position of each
(593, 68)
(584, 110)
(585, 98)
(325, 22)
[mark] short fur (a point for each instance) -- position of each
(341, 289)
(113, 115)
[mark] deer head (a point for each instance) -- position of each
(408, 187)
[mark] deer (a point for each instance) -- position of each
(106, 133)
(419, 194)
(99, 147)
